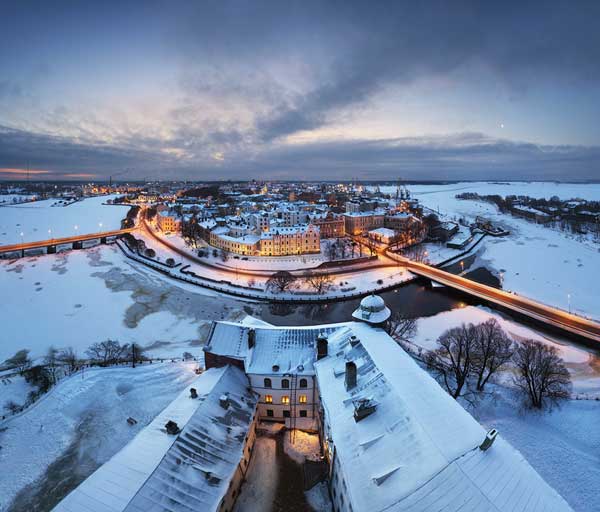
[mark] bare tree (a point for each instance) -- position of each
(12, 407)
(541, 374)
(51, 362)
(492, 351)
(224, 255)
(19, 361)
(402, 326)
(107, 352)
(319, 281)
(280, 281)
(68, 357)
(371, 245)
(452, 361)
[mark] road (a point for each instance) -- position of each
(549, 315)
(58, 241)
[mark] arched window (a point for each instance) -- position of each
(268, 383)
(303, 383)
(285, 383)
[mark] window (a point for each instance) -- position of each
(302, 399)
(270, 413)
(268, 383)
(303, 413)
(285, 383)
(268, 399)
(303, 383)
(285, 400)
(286, 414)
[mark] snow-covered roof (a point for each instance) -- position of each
(372, 309)
(276, 350)
(383, 232)
(419, 450)
(189, 471)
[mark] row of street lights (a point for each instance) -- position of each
(76, 228)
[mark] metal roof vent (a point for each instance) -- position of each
(363, 408)
(354, 341)
(490, 437)
(193, 393)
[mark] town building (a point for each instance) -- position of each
(383, 235)
(168, 222)
(286, 241)
(331, 225)
(279, 363)
(358, 223)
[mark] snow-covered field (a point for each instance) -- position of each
(78, 426)
(536, 261)
(40, 220)
(80, 297)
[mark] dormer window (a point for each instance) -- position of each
(285, 383)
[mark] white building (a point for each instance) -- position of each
(200, 468)
(396, 441)
(278, 362)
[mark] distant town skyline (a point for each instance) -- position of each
(299, 90)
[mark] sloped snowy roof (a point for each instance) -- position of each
(276, 350)
(190, 471)
(419, 450)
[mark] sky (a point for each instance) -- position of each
(212, 90)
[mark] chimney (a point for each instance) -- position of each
(193, 393)
(172, 428)
(490, 437)
(251, 338)
(354, 341)
(363, 408)
(224, 401)
(350, 375)
(321, 346)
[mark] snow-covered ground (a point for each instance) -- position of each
(78, 426)
(563, 445)
(536, 261)
(13, 388)
(40, 220)
(77, 298)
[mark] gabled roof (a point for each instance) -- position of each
(189, 471)
(419, 450)
(277, 350)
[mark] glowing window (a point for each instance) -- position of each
(268, 399)
(302, 399)
(285, 400)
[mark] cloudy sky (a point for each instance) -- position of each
(318, 90)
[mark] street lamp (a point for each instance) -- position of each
(501, 279)
(462, 266)
(569, 299)
(100, 225)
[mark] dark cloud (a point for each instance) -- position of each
(463, 156)
(356, 48)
